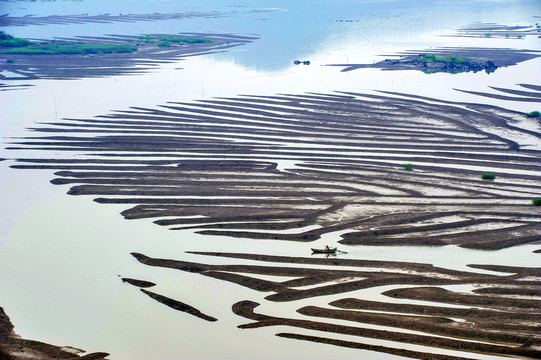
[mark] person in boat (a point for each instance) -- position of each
(327, 247)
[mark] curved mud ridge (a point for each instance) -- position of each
(306, 165)
(179, 306)
(461, 322)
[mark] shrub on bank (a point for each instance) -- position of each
(533, 114)
(407, 166)
(537, 201)
(488, 176)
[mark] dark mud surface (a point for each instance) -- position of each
(179, 306)
(498, 31)
(312, 164)
(307, 165)
(138, 283)
(466, 322)
(13, 347)
(146, 58)
(4, 87)
(522, 96)
(6, 20)
(476, 59)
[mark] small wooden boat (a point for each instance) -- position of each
(329, 250)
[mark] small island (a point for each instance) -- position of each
(430, 63)
(450, 60)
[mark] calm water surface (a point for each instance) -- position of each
(60, 256)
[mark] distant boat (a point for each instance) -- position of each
(328, 250)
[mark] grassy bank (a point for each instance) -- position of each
(13, 45)
(169, 40)
(430, 58)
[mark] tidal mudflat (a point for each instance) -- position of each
(149, 50)
(189, 166)
(497, 325)
(205, 207)
(308, 165)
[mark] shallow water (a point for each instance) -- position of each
(60, 256)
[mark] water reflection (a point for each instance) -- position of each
(306, 28)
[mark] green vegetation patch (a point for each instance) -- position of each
(488, 176)
(537, 201)
(12, 45)
(430, 58)
(186, 40)
(454, 72)
(8, 41)
(167, 40)
(15, 43)
(164, 44)
(533, 114)
(55, 48)
(407, 166)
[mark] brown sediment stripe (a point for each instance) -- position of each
(379, 348)
(503, 97)
(519, 270)
(334, 262)
(138, 283)
(433, 310)
(532, 291)
(438, 294)
(6, 20)
(179, 306)
(347, 152)
(499, 325)
(362, 278)
(518, 92)
(428, 324)
(531, 86)
(246, 309)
